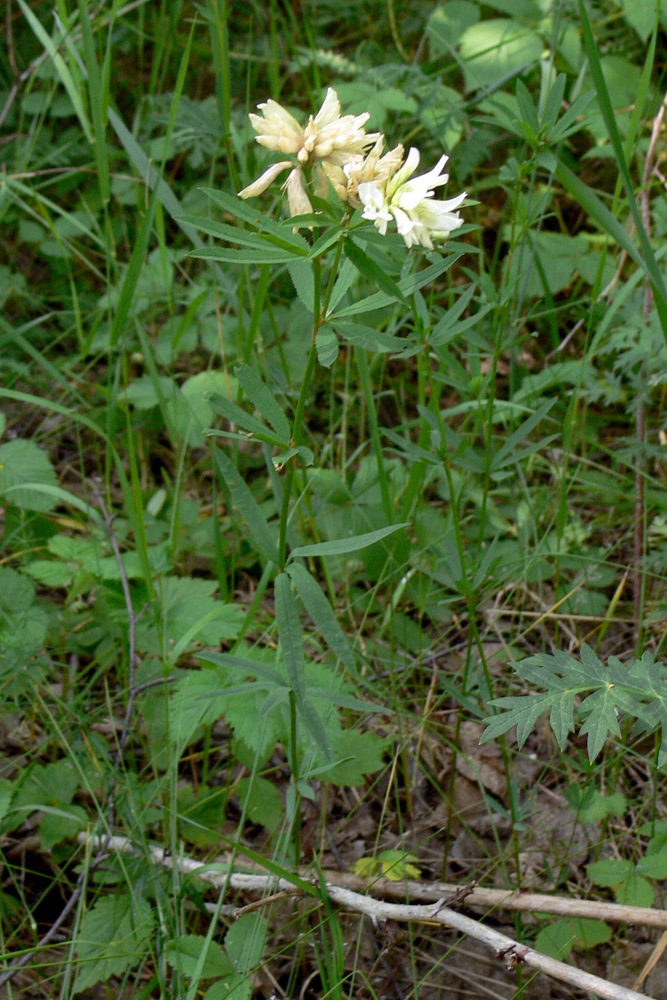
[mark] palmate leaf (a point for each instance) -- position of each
(637, 688)
(601, 721)
(521, 712)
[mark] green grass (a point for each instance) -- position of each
(282, 511)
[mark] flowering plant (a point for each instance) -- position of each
(334, 147)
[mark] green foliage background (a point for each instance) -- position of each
(277, 506)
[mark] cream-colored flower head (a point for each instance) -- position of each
(328, 141)
(327, 136)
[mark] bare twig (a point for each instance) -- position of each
(655, 957)
(504, 899)
(510, 952)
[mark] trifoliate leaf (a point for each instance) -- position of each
(366, 867)
(396, 865)
(562, 936)
(653, 866)
(611, 871)
(635, 891)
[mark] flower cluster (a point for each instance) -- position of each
(336, 148)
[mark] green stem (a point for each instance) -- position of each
(367, 387)
(294, 766)
(320, 305)
(297, 437)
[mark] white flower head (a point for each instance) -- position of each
(409, 201)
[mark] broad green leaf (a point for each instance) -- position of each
(245, 940)
(361, 753)
(447, 23)
(496, 49)
(263, 536)
(397, 865)
(61, 824)
(201, 814)
(187, 606)
(236, 987)
(261, 801)
(592, 806)
(144, 393)
(23, 465)
(642, 15)
(199, 699)
(113, 935)
(589, 933)
(183, 953)
(343, 546)
(17, 593)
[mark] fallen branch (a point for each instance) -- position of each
(508, 951)
(504, 899)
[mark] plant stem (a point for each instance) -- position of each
(367, 388)
(319, 315)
